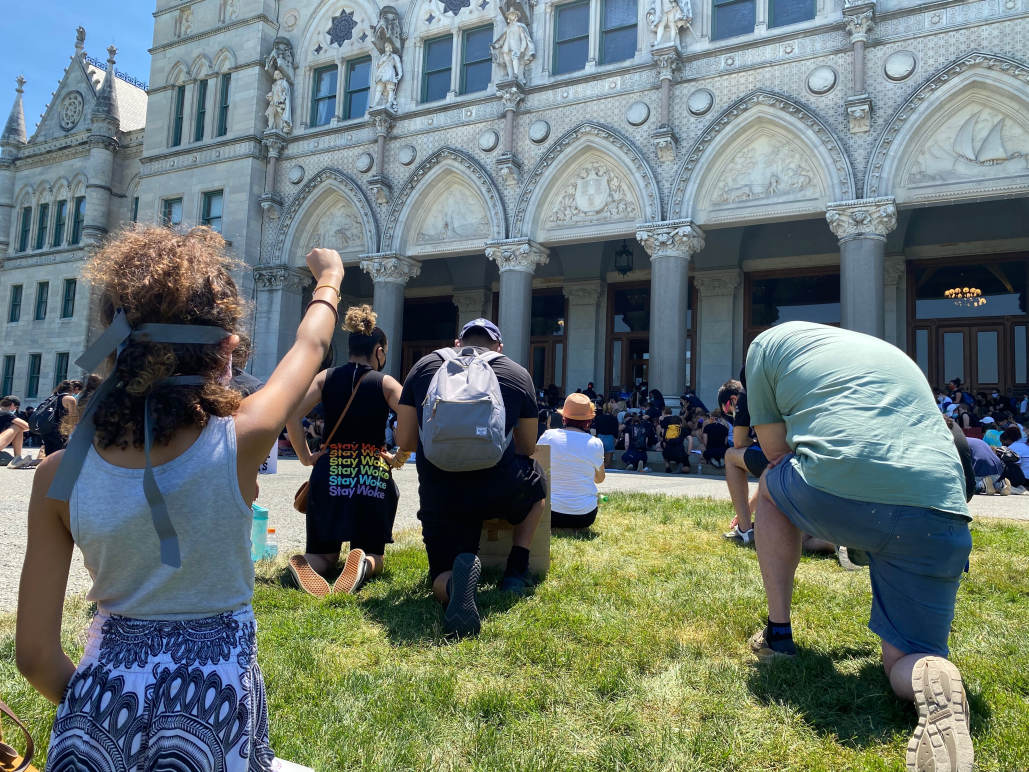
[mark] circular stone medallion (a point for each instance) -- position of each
(291, 19)
(71, 110)
(488, 141)
(365, 162)
(700, 102)
(637, 113)
(296, 174)
(539, 131)
(899, 65)
(407, 155)
(821, 80)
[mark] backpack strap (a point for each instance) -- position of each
(447, 354)
(488, 357)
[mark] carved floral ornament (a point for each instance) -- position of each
(977, 60)
(717, 283)
(390, 267)
(651, 203)
(864, 217)
(470, 301)
(583, 294)
(313, 186)
(739, 110)
(281, 277)
(470, 170)
(680, 238)
(517, 254)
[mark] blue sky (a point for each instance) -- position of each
(39, 39)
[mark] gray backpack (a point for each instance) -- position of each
(463, 414)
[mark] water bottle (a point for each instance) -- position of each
(271, 545)
(258, 533)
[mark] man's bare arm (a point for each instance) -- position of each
(772, 438)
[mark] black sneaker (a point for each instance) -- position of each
(519, 584)
(462, 615)
(766, 651)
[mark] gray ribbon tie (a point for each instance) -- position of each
(114, 338)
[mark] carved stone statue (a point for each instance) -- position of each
(387, 30)
(281, 58)
(514, 49)
(280, 116)
(668, 16)
(388, 72)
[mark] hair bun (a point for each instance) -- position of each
(360, 320)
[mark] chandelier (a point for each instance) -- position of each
(967, 297)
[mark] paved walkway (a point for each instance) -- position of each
(277, 494)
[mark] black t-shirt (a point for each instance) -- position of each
(653, 412)
(606, 424)
(438, 489)
(6, 419)
(742, 417)
(668, 420)
(716, 434)
(591, 394)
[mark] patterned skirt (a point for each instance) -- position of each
(186, 696)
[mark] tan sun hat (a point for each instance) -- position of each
(578, 407)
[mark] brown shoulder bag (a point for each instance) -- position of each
(10, 761)
(300, 499)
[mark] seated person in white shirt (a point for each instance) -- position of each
(576, 465)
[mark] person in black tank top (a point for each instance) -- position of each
(351, 497)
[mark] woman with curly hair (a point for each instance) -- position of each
(352, 497)
(155, 488)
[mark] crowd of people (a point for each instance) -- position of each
(152, 473)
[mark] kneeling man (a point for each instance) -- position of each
(860, 456)
(453, 505)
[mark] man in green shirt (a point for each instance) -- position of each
(859, 455)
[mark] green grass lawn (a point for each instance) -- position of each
(631, 655)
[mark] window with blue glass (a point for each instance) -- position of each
(732, 18)
(476, 61)
(783, 12)
(355, 96)
(571, 37)
(323, 103)
(439, 55)
(618, 31)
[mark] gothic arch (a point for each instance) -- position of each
(765, 157)
(332, 209)
(178, 74)
(590, 163)
(77, 186)
(201, 67)
(365, 15)
(449, 205)
(963, 134)
(224, 60)
(415, 21)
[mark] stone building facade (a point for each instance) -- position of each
(632, 189)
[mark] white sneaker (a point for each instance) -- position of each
(639, 467)
(744, 538)
(1018, 490)
(630, 468)
(19, 461)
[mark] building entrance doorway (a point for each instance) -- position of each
(429, 324)
(547, 339)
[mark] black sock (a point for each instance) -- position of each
(776, 632)
(450, 587)
(517, 561)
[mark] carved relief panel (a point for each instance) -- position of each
(980, 145)
(337, 226)
(595, 192)
(765, 174)
(458, 215)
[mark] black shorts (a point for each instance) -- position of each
(449, 532)
(755, 460)
(561, 520)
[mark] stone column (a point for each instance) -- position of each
(895, 309)
(390, 272)
(670, 246)
(581, 333)
(279, 311)
(517, 259)
(668, 59)
(384, 121)
(716, 316)
(861, 226)
(103, 142)
(475, 303)
(274, 142)
(12, 140)
(508, 166)
(859, 18)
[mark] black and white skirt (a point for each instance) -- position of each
(179, 695)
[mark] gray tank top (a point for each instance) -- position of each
(111, 524)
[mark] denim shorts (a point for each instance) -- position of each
(609, 442)
(916, 555)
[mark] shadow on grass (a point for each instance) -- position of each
(582, 535)
(857, 708)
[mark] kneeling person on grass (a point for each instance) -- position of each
(859, 455)
(455, 501)
(576, 465)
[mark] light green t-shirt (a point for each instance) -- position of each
(859, 414)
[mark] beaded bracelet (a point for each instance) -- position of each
(335, 313)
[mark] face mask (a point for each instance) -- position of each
(380, 367)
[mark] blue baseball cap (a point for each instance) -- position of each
(484, 324)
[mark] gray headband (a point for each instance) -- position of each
(114, 339)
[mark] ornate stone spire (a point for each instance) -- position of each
(106, 105)
(14, 131)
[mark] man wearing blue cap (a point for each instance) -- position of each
(454, 504)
